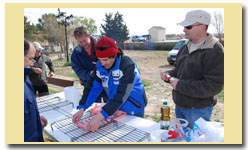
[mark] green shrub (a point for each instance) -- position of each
(164, 46)
(67, 64)
(136, 46)
(150, 46)
(146, 83)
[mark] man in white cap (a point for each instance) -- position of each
(38, 75)
(199, 73)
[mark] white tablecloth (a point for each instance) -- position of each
(54, 115)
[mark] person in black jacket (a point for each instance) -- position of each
(199, 72)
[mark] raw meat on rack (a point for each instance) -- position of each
(95, 109)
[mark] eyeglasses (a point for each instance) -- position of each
(31, 59)
(191, 26)
(102, 48)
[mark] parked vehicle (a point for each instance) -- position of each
(138, 38)
(171, 58)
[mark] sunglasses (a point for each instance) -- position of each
(191, 26)
(102, 48)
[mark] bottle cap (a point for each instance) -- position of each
(165, 103)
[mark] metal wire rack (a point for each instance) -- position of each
(112, 132)
(47, 103)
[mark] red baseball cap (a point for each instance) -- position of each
(106, 47)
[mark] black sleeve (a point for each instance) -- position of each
(88, 87)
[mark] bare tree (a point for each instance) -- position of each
(218, 23)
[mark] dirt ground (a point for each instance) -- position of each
(151, 63)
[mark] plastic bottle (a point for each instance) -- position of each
(165, 116)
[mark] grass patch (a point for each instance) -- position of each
(58, 63)
(67, 64)
(53, 91)
(146, 83)
(221, 96)
(154, 117)
(71, 75)
(63, 68)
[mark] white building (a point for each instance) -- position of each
(157, 33)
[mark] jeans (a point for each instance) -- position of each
(191, 115)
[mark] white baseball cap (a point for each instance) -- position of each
(194, 16)
(38, 46)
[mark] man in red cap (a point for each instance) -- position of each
(119, 77)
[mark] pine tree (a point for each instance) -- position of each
(29, 29)
(115, 28)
